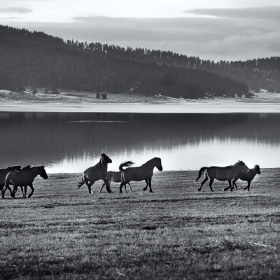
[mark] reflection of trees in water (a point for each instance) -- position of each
(42, 137)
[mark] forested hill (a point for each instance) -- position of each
(39, 60)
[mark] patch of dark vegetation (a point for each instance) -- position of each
(148, 227)
(48, 206)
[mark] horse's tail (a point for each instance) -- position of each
(202, 169)
(82, 182)
(7, 184)
(8, 180)
(126, 163)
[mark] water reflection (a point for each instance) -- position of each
(70, 142)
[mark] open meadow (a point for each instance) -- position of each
(174, 233)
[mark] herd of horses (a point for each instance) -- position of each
(13, 177)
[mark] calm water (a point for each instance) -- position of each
(72, 142)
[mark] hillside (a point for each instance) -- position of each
(39, 60)
(257, 74)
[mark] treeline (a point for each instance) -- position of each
(39, 60)
(261, 73)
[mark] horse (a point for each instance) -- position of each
(24, 178)
(3, 174)
(143, 172)
(247, 176)
(95, 173)
(114, 176)
(226, 173)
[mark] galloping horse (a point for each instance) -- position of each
(247, 176)
(3, 174)
(143, 172)
(221, 173)
(24, 178)
(116, 177)
(95, 173)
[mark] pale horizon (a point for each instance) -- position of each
(214, 30)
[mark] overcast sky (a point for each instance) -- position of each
(210, 29)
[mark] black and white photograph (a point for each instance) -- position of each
(139, 139)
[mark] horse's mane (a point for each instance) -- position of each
(14, 166)
(155, 158)
(239, 162)
(26, 167)
(128, 163)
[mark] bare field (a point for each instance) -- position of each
(173, 233)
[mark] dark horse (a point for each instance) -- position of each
(24, 178)
(221, 173)
(95, 173)
(115, 176)
(143, 172)
(247, 176)
(3, 174)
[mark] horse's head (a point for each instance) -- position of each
(242, 166)
(105, 159)
(158, 164)
(257, 168)
(42, 172)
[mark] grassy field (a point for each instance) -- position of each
(173, 233)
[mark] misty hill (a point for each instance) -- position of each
(40, 60)
(261, 73)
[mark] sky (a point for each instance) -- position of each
(209, 29)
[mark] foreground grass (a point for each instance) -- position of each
(173, 233)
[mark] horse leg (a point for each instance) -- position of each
(11, 192)
(32, 190)
(205, 179)
(121, 185)
(14, 191)
(229, 186)
(89, 184)
(4, 190)
(22, 191)
(248, 186)
(108, 188)
(102, 187)
(147, 184)
(210, 184)
(130, 187)
(150, 184)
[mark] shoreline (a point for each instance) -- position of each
(125, 103)
(195, 107)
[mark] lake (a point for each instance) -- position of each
(71, 142)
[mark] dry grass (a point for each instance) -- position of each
(173, 233)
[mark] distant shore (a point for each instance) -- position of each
(125, 103)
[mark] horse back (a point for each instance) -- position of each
(245, 176)
(96, 172)
(5, 172)
(221, 173)
(20, 178)
(137, 174)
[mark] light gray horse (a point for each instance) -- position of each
(141, 173)
(115, 176)
(221, 173)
